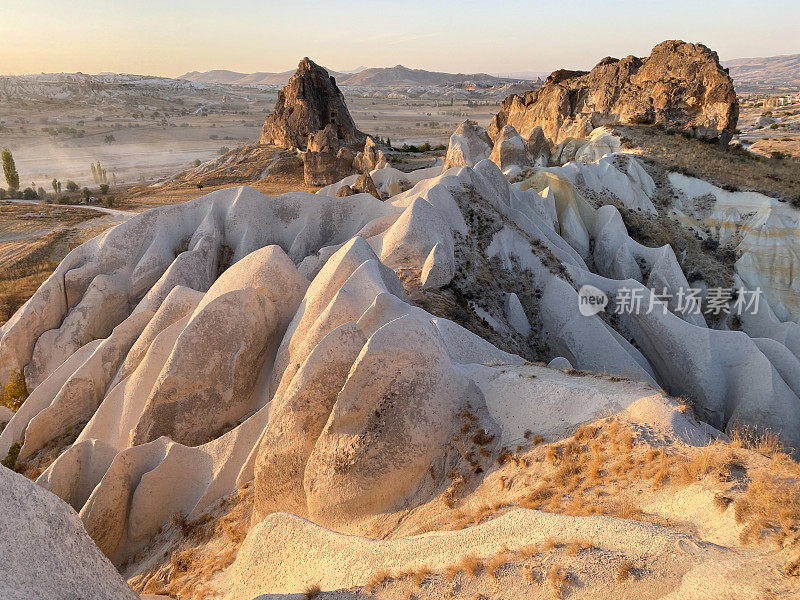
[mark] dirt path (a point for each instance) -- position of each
(119, 214)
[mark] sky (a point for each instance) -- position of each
(171, 37)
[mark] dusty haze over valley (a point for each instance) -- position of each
(510, 310)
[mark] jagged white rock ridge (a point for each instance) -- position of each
(238, 336)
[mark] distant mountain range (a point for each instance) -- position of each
(362, 76)
(770, 71)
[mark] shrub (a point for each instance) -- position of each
(86, 193)
(72, 186)
(15, 391)
(10, 461)
(29, 194)
(3, 194)
(104, 188)
(196, 162)
(108, 201)
(63, 200)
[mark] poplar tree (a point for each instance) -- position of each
(10, 169)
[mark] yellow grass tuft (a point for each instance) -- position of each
(625, 569)
(559, 580)
(471, 565)
(792, 568)
(377, 579)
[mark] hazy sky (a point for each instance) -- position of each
(170, 37)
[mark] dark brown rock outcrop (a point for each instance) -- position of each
(325, 162)
(679, 86)
(308, 103)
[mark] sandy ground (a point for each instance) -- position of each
(34, 238)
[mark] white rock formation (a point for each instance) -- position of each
(45, 550)
(510, 149)
(762, 231)
(538, 147)
(559, 362)
(196, 347)
(469, 144)
(370, 158)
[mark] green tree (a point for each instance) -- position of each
(10, 169)
(54, 183)
(41, 193)
(86, 193)
(104, 188)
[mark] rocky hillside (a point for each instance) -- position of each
(679, 86)
(775, 71)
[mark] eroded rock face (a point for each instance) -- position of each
(46, 551)
(510, 149)
(325, 162)
(680, 86)
(469, 145)
(310, 101)
(370, 158)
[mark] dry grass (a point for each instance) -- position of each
(206, 547)
(25, 264)
(576, 546)
(625, 570)
(418, 576)
(530, 576)
(471, 565)
(559, 580)
(792, 568)
(770, 508)
(497, 562)
(312, 591)
(731, 169)
(604, 469)
(377, 579)
(766, 442)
